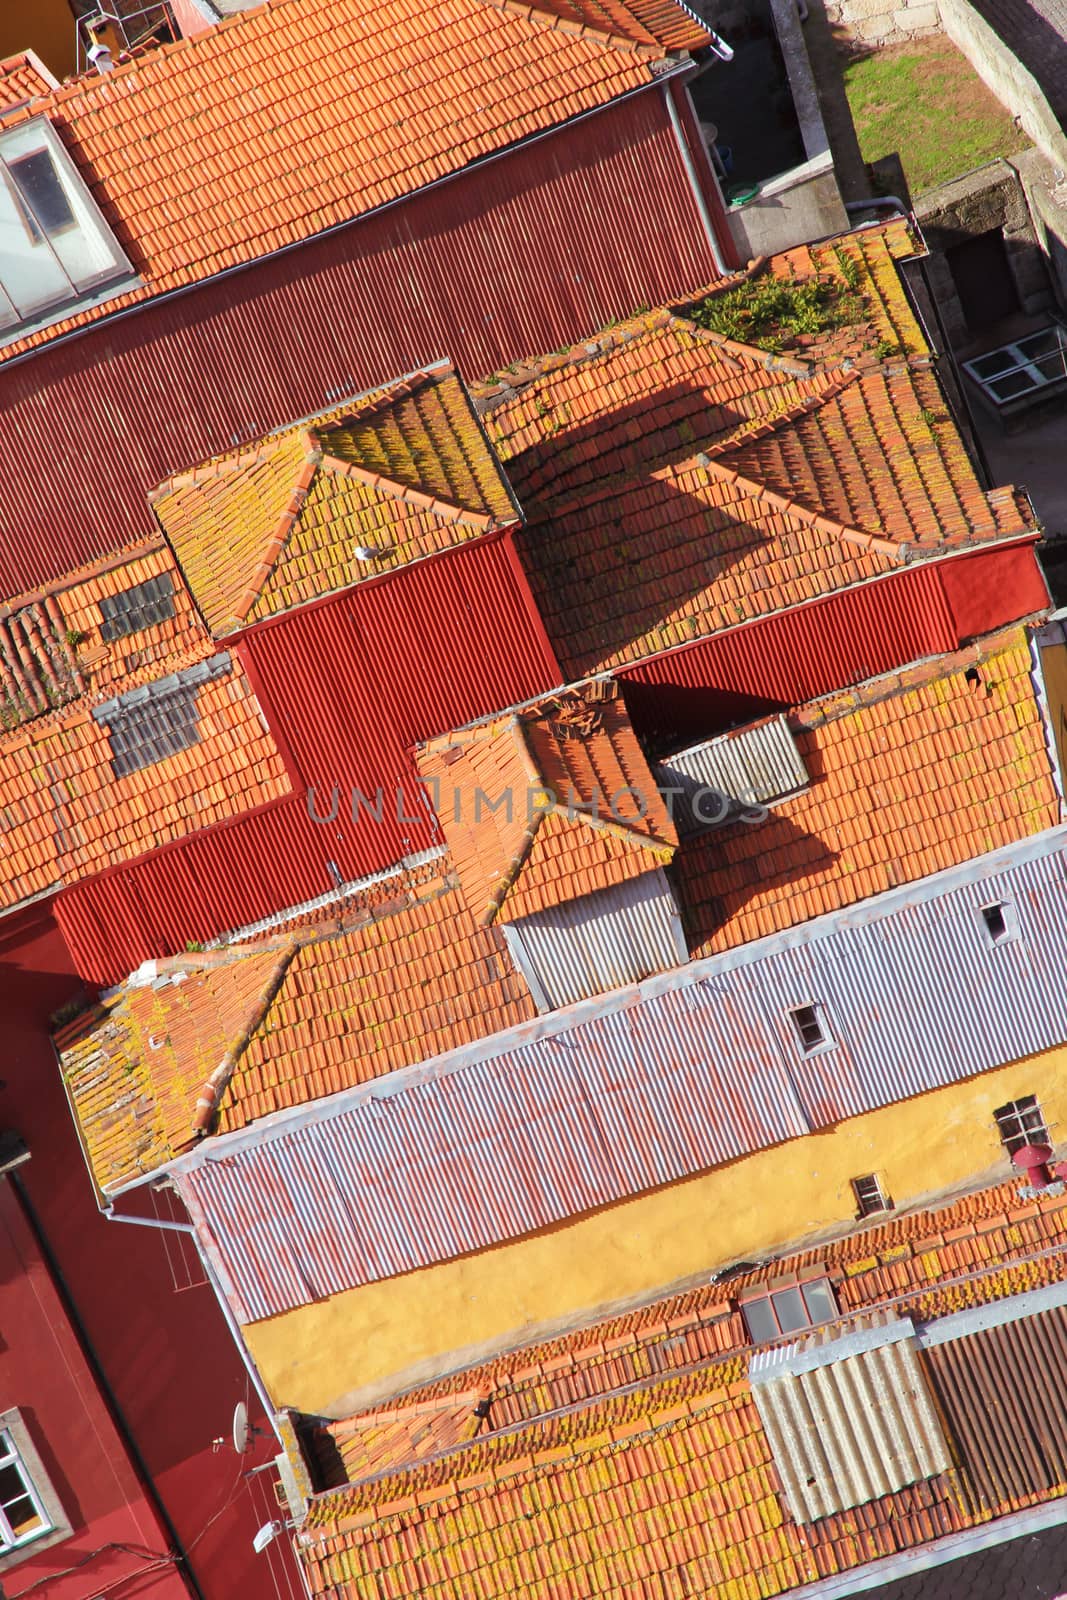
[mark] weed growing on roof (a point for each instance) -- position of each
(772, 312)
(848, 267)
(886, 349)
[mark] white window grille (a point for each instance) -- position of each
(1022, 367)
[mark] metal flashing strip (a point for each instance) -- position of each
(554, 1025)
(978, 1319)
(926, 1558)
(767, 1366)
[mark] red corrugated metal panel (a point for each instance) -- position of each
(523, 255)
(352, 683)
(784, 660)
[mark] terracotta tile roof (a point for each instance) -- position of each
(199, 153)
(547, 805)
(676, 483)
(629, 1455)
(99, 782)
(376, 1441)
(402, 472)
(406, 979)
(651, 22)
(911, 774)
(23, 78)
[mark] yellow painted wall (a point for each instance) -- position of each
(331, 1357)
(46, 26)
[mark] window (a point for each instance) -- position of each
(31, 1515)
(1025, 367)
(810, 1029)
(1021, 1122)
(870, 1196)
(142, 606)
(55, 247)
(999, 921)
(773, 1312)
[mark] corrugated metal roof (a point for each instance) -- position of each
(599, 942)
(640, 1088)
(1004, 1394)
(718, 778)
(850, 1430)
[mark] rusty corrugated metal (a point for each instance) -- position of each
(798, 655)
(855, 1424)
(641, 1088)
(753, 766)
(599, 942)
(1004, 1394)
(522, 255)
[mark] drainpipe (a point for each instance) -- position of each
(694, 181)
(878, 201)
(181, 1560)
(231, 1322)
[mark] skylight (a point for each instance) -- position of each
(55, 247)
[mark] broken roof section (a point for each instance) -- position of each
(305, 1014)
(676, 481)
(199, 153)
(547, 804)
(397, 474)
(122, 727)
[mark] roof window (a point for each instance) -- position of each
(769, 1314)
(55, 247)
(1000, 922)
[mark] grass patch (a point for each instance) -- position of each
(770, 312)
(925, 100)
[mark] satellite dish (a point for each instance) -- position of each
(242, 1431)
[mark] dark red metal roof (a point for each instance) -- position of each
(528, 253)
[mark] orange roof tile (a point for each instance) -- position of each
(915, 773)
(405, 980)
(652, 22)
(547, 805)
(630, 1454)
(400, 473)
(23, 78)
(676, 483)
(199, 153)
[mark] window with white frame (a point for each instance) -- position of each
(1022, 367)
(31, 1514)
(55, 247)
(787, 1307)
(1021, 1122)
(869, 1195)
(810, 1027)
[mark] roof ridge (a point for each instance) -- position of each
(772, 421)
(446, 510)
(535, 816)
(214, 1087)
(275, 546)
(815, 519)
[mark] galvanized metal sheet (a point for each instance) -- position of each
(447, 272)
(599, 942)
(853, 1430)
(710, 783)
(651, 1085)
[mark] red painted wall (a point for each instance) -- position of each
(523, 255)
(167, 1353)
(352, 683)
(116, 1540)
(781, 661)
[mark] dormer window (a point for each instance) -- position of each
(55, 247)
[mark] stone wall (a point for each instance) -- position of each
(1004, 73)
(884, 22)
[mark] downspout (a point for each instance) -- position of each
(694, 183)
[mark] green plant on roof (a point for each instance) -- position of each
(848, 267)
(74, 638)
(772, 312)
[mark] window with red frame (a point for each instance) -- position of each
(788, 1308)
